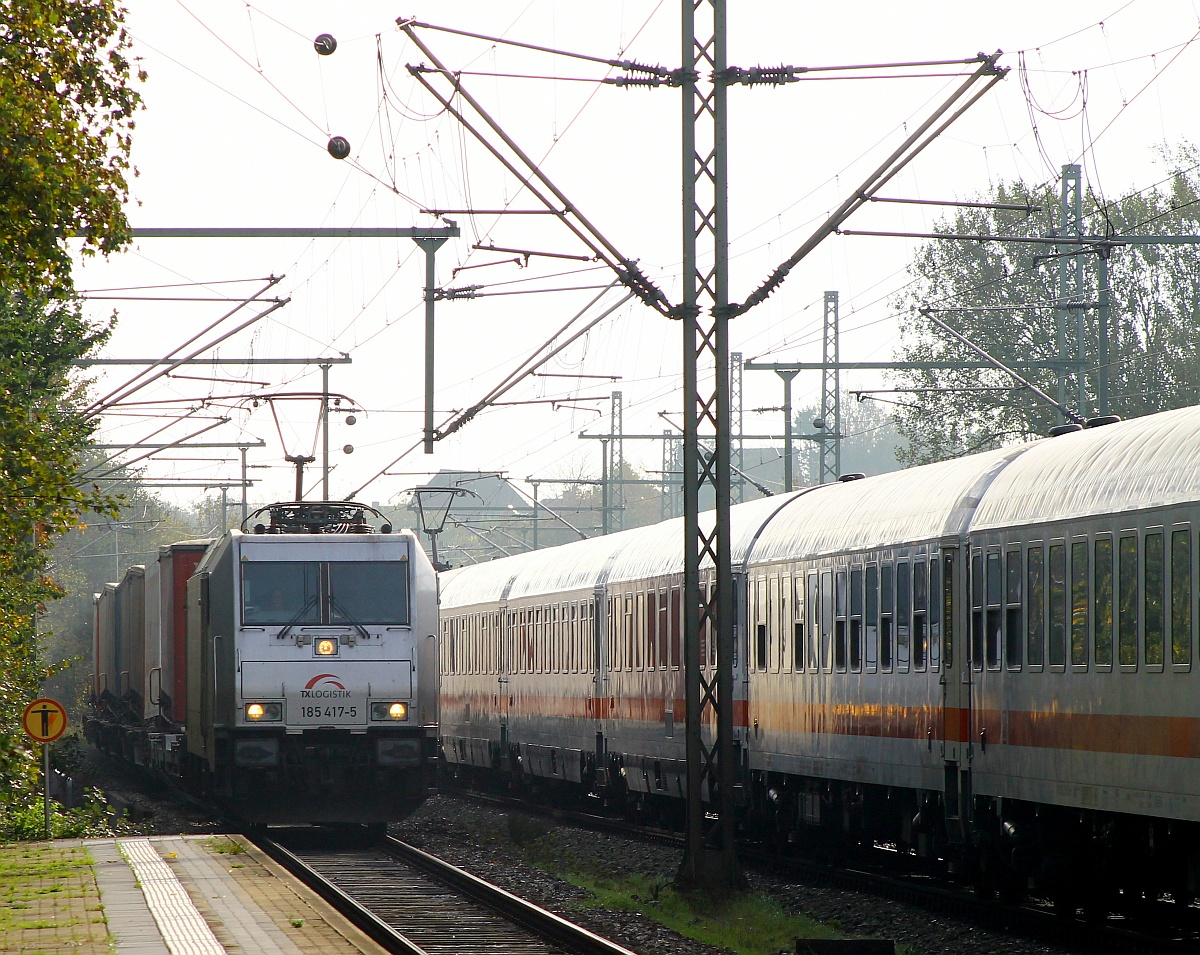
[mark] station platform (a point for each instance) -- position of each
(185, 895)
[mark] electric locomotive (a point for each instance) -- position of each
(988, 661)
(286, 670)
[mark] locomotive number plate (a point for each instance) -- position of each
(327, 709)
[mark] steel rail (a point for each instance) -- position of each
(363, 918)
(541, 922)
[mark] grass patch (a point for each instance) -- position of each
(749, 924)
(225, 846)
(29, 873)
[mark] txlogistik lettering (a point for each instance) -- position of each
(326, 694)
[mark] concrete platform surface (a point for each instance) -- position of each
(163, 895)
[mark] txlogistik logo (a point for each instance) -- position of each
(325, 686)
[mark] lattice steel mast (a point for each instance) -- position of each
(709, 857)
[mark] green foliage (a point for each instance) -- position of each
(25, 820)
(1001, 296)
(64, 135)
(43, 430)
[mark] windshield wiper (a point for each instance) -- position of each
(310, 602)
(335, 604)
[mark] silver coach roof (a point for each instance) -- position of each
(917, 504)
(1139, 463)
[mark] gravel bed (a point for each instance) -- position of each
(487, 841)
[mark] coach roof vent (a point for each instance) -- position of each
(1101, 420)
(852, 476)
(1060, 429)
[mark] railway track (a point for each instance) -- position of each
(413, 903)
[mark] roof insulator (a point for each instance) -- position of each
(1101, 420)
(852, 476)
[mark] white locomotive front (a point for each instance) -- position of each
(312, 674)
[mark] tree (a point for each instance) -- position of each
(1002, 296)
(42, 433)
(66, 112)
(870, 442)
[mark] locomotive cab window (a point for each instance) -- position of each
(299, 593)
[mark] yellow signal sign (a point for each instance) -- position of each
(44, 720)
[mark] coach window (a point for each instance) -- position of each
(1102, 600)
(760, 624)
(784, 626)
(558, 645)
(1014, 623)
(886, 607)
(827, 620)
(630, 630)
(977, 622)
(1181, 597)
(1057, 601)
(1127, 601)
(664, 629)
(839, 620)
(774, 620)
(872, 618)
(798, 623)
(949, 603)
(1079, 603)
(856, 623)
(935, 611)
(995, 614)
(650, 658)
(637, 638)
(1035, 607)
(676, 628)
(1152, 618)
(814, 620)
(903, 615)
(920, 635)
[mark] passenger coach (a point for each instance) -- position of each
(987, 660)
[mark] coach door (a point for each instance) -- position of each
(956, 687)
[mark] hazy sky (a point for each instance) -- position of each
(239, 109)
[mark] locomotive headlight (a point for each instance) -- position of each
(264, 712)
(326, 647)
(389, 711)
